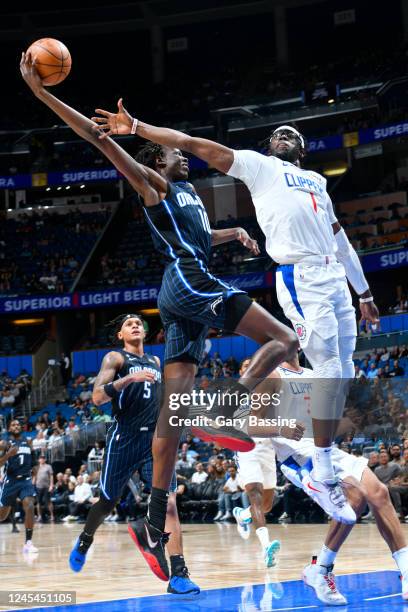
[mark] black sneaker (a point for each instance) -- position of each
(150, 541)
(15, 529)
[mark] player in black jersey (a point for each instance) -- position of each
(18, 459)
(130, 379)
(191, 299)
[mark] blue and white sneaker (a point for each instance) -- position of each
(243, 524)
(270, 553)
(182, 585)
(77, 557)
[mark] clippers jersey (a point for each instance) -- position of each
(295, 404)
(21, 464)
(180, 226)
(138, 404)
(292, 206)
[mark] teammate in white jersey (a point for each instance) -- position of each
(302, 235)
(257, 476)
(361, 485)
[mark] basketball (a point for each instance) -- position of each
(52, 60)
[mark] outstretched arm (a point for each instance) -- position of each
(234, 233)
(355, 274)
(150, 185)
(218, 156)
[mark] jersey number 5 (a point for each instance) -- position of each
(147, 390)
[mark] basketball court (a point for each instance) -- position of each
(229, 570)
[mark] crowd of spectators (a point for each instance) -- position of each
(42, 253)
(12, 392)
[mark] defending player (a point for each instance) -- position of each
(257, 474)
(18, 459)
(130, 379)
(359, 482)
(191, 300)
(303, 235)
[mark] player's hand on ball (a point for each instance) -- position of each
(370, 312)
(293, 433)
(111, 124)
(247, 241)
(142, 376)
(29, 73)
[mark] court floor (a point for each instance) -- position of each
(229, 570)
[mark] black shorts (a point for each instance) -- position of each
(13, 488)
(191, 301)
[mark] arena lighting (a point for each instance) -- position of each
(336, 170)
(149, 311)
(82, 186)
(331, 101)
(28, 321)
(68, 187)
(48, 189)
(59, 188)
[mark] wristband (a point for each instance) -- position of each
(111, 391)
(134, 126)
(366, 300)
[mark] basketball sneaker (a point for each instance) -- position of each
(150, 541)
(225, 436)
(243, 525)
(77, 557)
(29, 548)
(329, 495)
(180, 584)
(270, 553)
(324, 585)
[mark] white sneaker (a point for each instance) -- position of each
(324, 586)
(29, 548)
(243, 525)
(218, 516)
(67, 518)
(226, 516)
(404, 586)
(330, 497)
(115, 518)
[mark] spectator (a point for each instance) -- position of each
(72, 426)
(373, 460)
(386, 471)
(395, 454)
(372, 372)
(82, 500)
(65, 368)
(229, 497)
(44, 483)
(397, 370)
(199, 475)
(358, 372)
(40, 441)
(183, 462)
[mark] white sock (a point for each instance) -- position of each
(263, 536)
(326, 557)
(246, 513)
(322, 463)
(401, 559)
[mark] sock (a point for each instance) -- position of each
(29, 534)
(85, 541)
(401, 559)
(263, 536)
(246, 514)
(156, 513)
(322, 463)
(325, 559)
(177, 564)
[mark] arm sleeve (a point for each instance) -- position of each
(247, 166)
(348, 257)
(330, 210)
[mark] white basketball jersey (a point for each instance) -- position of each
(292, 206)
(295, 404)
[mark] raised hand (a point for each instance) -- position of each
(30, 74)
(111, 124)
(247, 241)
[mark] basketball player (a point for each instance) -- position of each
(316, 258)
(361, 485)
(18, 458)
(130, 379)
(191, 300)
(257, 475)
